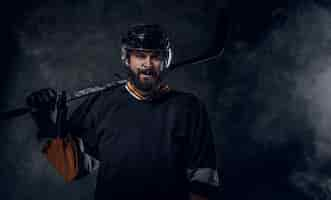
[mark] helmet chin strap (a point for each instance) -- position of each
(169, 58)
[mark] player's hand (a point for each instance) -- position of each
(43, 100)
(43, 103)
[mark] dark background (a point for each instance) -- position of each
(268, 97)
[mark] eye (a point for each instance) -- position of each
(156, 56)
(140, 55)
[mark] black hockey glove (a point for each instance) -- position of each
(43, 103)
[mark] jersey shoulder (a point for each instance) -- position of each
(109, 98)
(114, 93)
(184, 99)
(97, 102)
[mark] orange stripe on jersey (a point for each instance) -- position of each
(138, 94)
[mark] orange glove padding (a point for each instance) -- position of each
(62, 153)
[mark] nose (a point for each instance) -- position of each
(148, 61)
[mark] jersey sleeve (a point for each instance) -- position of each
(201, 168)
(83, 126)
(74, 156)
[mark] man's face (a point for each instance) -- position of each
(145, 67)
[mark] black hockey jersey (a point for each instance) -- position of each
(159, 149)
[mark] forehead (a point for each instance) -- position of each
(145, 52)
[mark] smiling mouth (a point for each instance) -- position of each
(146, 76)
(147, 73)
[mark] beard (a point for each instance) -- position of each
(145, 79)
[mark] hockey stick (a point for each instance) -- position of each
(208, 57)
(92, 90)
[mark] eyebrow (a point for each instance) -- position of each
(151, 53)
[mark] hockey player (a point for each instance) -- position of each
(148, 141)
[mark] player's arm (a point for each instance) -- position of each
(67, 154)
(202, 165)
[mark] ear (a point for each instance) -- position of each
(124, 56)
(126, 62)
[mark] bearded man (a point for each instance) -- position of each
(147, 141)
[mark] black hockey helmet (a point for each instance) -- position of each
(150, 37)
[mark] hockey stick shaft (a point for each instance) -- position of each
(92, 90)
